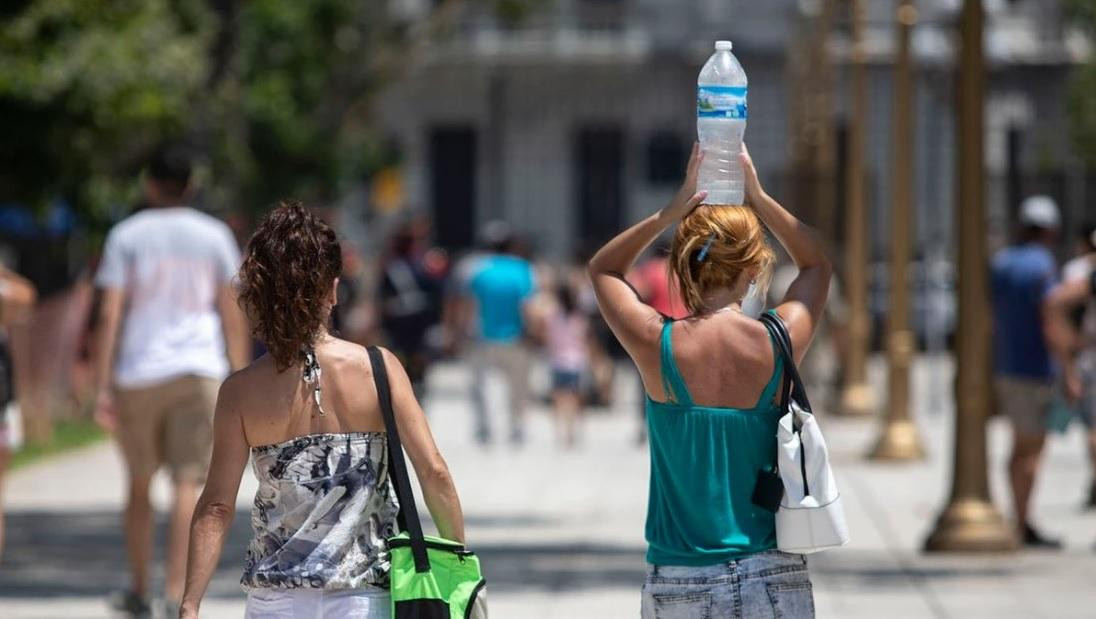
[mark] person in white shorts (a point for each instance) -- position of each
(169, 330)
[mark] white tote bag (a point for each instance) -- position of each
(810, 517)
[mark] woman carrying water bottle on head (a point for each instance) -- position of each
(712, 382)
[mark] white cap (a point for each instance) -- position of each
(1040, 212)
(723, 46)
(496, 231)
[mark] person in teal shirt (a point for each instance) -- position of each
(500, 283)
(713, 383)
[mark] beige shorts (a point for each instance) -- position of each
(168, 424)
(1026, 402)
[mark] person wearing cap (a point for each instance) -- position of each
(1021, 277)
(499, 285)
(1072, 334)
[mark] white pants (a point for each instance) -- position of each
(317, 604)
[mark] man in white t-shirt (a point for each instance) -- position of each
(169, 332)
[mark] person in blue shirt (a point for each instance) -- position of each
(1022, 276)
(500, 283)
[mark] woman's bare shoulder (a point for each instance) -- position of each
(252, 379)
(347, 356)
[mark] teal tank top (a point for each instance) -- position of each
(704, 465)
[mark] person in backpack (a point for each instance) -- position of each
(309, 417)
(712, 382)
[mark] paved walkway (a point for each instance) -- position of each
(561, 533)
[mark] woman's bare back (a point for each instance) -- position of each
(278, 406)
(726, 359)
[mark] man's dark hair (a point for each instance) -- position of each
(170, 168)
(1034, 234)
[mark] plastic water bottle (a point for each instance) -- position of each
(720, 125)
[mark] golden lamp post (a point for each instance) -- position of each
(898, 439)
(857, 397)
(969, 522)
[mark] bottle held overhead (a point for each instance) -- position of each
(720, 125)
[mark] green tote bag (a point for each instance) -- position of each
(431, 577)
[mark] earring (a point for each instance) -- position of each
(753, 282)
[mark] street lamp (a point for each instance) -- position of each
(898, 440)
(969, 522)
(857, 397)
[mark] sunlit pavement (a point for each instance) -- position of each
(561, 532)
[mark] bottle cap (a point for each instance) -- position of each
(723, 46)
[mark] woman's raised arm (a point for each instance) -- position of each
(805, 299)
(634, 322)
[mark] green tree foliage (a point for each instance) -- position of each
(86, 87)
(307, 73)
(1082, 88)
(274, 93)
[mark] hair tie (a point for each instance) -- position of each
(707, 246)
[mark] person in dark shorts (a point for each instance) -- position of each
(1021, 276)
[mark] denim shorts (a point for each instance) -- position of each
(569, 380)
(767, 584)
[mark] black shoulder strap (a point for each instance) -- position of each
(794, 383)
(408, 517)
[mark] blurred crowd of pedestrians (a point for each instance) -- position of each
(168, 330)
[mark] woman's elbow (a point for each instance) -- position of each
(436, 478)
(216, 510)
(820, 270)
(592, 268)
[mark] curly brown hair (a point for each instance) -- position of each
(291, 262)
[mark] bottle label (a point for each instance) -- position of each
(721, 102)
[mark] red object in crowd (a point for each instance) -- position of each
(658, 289)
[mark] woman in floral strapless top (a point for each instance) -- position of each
(308, 416)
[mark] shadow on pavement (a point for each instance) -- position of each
(82, 554)
(51, 554)
(561, 567)
(870, 568)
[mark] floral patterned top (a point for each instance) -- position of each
(324, 508)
